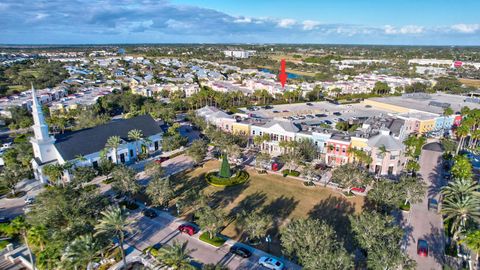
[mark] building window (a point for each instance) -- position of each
(390, 170)
(253, 132)
(392, 157)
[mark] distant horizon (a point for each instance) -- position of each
(225, 44)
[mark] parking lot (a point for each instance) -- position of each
(314, 113)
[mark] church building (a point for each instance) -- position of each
(90, 142)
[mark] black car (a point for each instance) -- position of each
(309, 104)
(149, 213)
(240, 251)
(4, 220)
(321, 115)
(337, 113)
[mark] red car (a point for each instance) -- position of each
(422, 248)
(161, 159)
(358, 189)
(188, 229)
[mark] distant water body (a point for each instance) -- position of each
(289, 75)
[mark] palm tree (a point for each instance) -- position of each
(147, 142)
(20, 226)
(135, 135)
(462, 132)
(460, 187)
(460, 209)
(115, 221)
(37, 236)
(113, 143)
(382, 150)
(176, 256)
(472, 241)
(82, 251)
(446, 113)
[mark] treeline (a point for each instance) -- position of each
(19, 76)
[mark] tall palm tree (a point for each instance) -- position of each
(20, 226)
(81, 252)
(135, 135)
(460, 187)
(460, 209)
(446, 113)
(176, 256)
(37, 236)
(462, 132)
(115, 221)
(113, 143)
(472, 241)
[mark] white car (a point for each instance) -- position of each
(271, 263)
(29, 200)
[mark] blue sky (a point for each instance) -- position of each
(407, 22)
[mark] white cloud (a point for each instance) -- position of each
(310, 25)
(40, 16)
(286, 23)
(466, 28)
(412, 29)
(243, 20)
(405, 30)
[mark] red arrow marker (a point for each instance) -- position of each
(282, 76)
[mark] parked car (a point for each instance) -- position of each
(4, 220)
(271, 263)
(275, 111)
(188, 229)
(285, 111)
(422, 248)
(148, 212)
(321, 115)
(161, 159)
(240, 251)
(29, 200)
(309, 104)
(432, 204)
(328, 122)
(337, 113)
(358, 189)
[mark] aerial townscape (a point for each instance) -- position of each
(239, 135)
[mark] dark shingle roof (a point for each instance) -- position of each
(91, 140)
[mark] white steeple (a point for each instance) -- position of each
(40, 127)
(43, 144)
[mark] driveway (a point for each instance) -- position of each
(420, 223)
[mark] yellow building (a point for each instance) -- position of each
(426, 125)
(359, 144)
(241, 128)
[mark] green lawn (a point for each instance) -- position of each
(282, 197)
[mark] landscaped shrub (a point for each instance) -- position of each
(309, 183)
(3, 244)
(405, 207)
(290, 172)
(215, 241)
(238, 178)
(108, 181)
(90, 188)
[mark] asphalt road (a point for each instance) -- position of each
(14, 207)
(420, 223)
